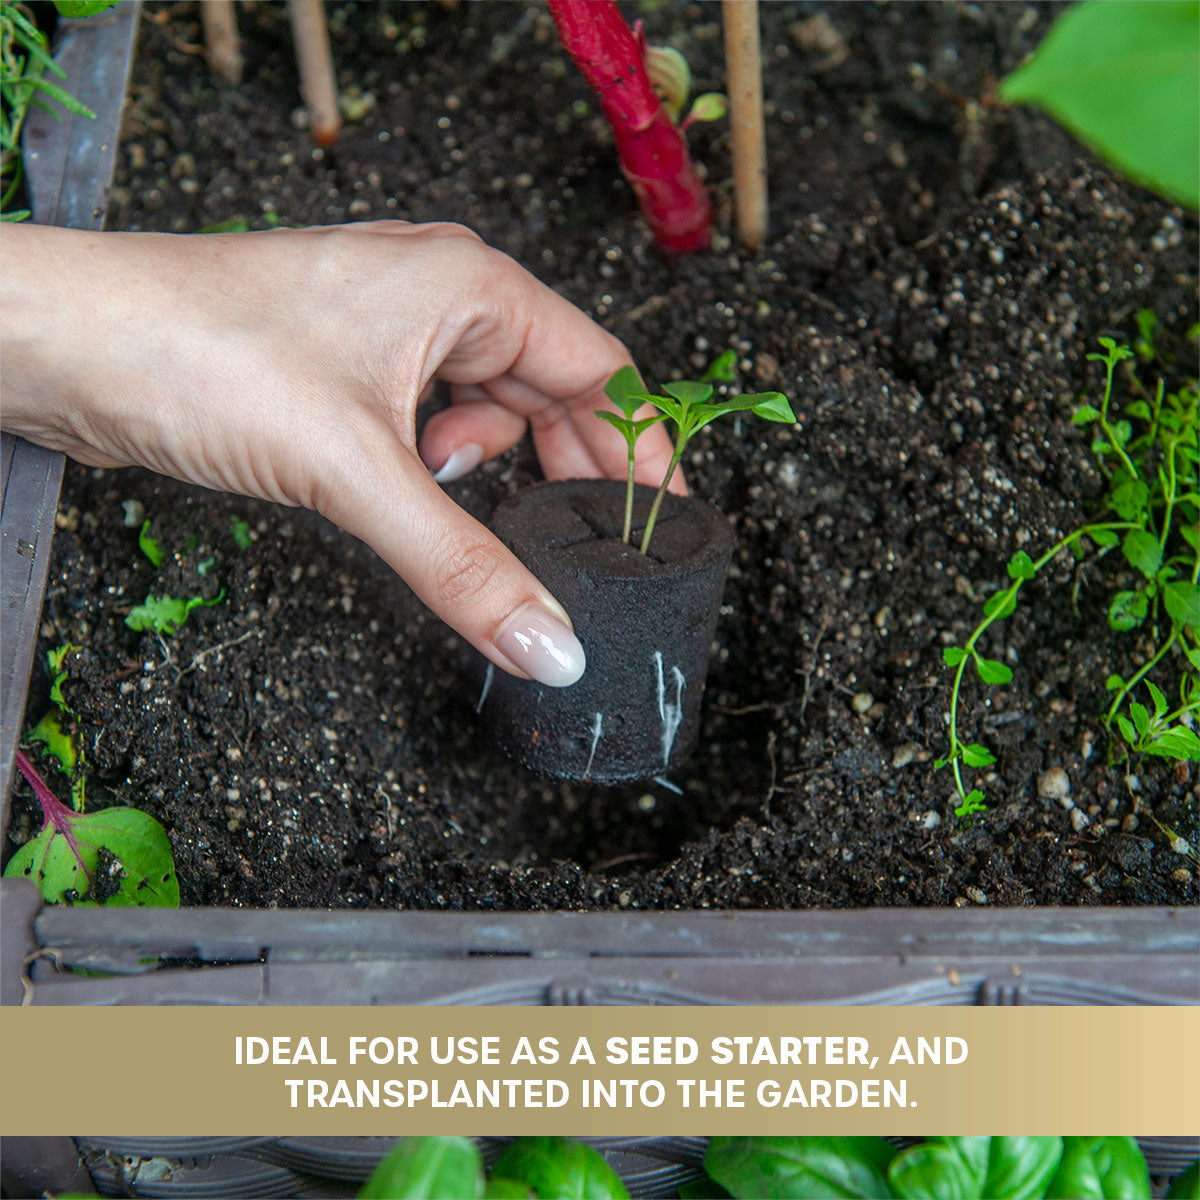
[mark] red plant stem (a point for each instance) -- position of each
(54, 811)
(651, 149)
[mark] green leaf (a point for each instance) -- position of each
(975, 755)
(688, 392)
(1104, 537)
(972, 803)
(1178, 742)
(790, 1168)
(708, 106)
(623, 425)
(59, 674)
(82, 8)
(1129, 498)
(1182, 600)
(1002, 604)
(626, 390)
(149, 546)
(668, 72)
(241, 532)
(499, 1188)
(991, 671)
(1127, 611)
(1140, 547)
(427, 1168)
(957, 1168)
(953, 655)
(1125, 79)
(1085, 414)
(723, 368)
(1160, 701)
(1020, 566)
(166, 614)
(1100, 1168)
(62, 96)
(1187, 1185)
(49, 732)
(64, 861)
(1125, 725)
(1141, 718)
(556, 1168)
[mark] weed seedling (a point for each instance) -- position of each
(1153, 498)
(165, 614)
(689, 406)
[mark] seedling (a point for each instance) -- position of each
(689, 405)
(240, 530)
(117, 856)
(149, 546)
(49, 731)
(1153, 475)
(165, 614)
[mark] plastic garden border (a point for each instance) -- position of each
(217, 956)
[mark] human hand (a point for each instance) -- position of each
(289, 364)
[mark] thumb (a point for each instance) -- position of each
(459, 569)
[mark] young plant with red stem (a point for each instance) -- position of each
(651, 148)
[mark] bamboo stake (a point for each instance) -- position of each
(313, 57)
(222, 47)
(743, 69)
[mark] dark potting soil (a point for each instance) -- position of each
(937, 270)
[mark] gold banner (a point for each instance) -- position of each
(599, 1071)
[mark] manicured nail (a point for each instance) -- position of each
(466, 458)
(542, 646)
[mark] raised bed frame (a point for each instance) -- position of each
(207, 956)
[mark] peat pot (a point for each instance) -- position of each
(645, 621)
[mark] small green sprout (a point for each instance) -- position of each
(165, 614)
(149, 546)
(671, 78)
(1153, 473)
(689, 405)
(241, 532)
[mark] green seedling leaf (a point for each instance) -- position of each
(555, 1168)
(150, 546)
(1178, 742)
(1141, 548)
(953, 655)
(972, 803)
(204, 566)
(229, 225)
(1104, 538)
(1159, 700)
(709, 106)
(1125, 79)
(688, 392)
(1020, 566)
(1127, 611)
(776, 1168)
(1125, 725)
(49, 732)
(626, 390)
(1182, 601)
(976, 755)
(55, 660)
(1141, 718)
(428, 1168)
(64, 860)
(1187, 1185)
(166, 614)
(1129, 498)
(241, 532)
(951, 1168)
(722, 369)
(1100, 1168)
(1002, 604)
(991, 671)
(1085, 414)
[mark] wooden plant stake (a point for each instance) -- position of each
(743, 67)
(313, 57)
(222, 46)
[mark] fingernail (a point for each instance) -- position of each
(466, 458)
(542, 646)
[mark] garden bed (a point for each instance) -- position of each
(936, 273)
